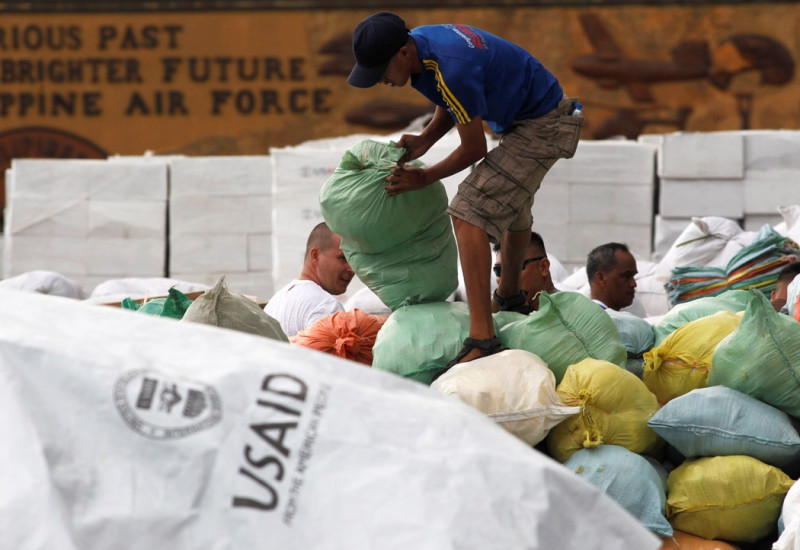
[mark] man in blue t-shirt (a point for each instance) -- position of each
(474, 77)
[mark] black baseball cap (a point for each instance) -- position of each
(375, 41)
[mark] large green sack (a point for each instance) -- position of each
(730, 300)
(761, 358)
(401, 247)
(418, 341)
(567, 328)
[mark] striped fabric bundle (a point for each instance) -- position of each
(755, 266)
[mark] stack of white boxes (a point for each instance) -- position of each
(743, 175)
(220, 222)
(605, 193)
(298, 175)
(88, 220)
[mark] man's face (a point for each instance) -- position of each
(534, 276)
(333, 270)
(398, 72)
(619, 283)
(779, 295)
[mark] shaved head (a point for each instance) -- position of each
(320, 237)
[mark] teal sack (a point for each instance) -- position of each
(418, 341)
(719, 421)
(402, 247)
(567, 328)
(635, 333)
(761, 358)
(634, 482)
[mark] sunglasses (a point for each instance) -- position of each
(525, 263)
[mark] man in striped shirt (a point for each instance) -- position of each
(473, 77)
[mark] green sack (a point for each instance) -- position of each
(220, 307)
(567, 328)
(173, 306)
(761, 358)
(402, 247)
(418, 341)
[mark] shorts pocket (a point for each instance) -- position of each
(565, 142)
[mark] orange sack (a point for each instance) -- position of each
(348, 334)
(686, 541)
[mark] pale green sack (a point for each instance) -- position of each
(567, 328)
(761, 358)
(401, 247)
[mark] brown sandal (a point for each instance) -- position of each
(487, 347)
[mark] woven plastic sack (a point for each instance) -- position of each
(401, 247)
(731, 300)
(45, 282)
(793, 298)
(789, 522)
(615, 407)
(567, 328)
(514, 388)
(719, 421)
(762, 357)
(734, 498)
(174, 305)
(635, 333)
(628, 478)
(418, 341)
(708, 241)
(160, 435)
(347, 334)
(681, 362)
(220, 307)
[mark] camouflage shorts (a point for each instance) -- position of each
(497, 196)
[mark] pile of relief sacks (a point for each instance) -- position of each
(687, 419)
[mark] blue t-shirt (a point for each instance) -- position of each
(472, 73)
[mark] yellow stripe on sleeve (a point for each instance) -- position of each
(461, 115)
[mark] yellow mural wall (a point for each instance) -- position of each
(240, 82)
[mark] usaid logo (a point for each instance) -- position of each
(164, 408)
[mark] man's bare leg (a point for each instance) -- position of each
(476, 264)
(513, 247)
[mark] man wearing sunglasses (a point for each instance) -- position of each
(535, 276)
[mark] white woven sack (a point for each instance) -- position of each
(790, 226)
(709, 241)
(514, 388)
(45, 282)
(790, 521)
(137, 432)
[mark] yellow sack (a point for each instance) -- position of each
(681, 362)
(736, 498)
(615, 406)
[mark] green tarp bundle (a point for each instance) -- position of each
(401, 247)
(754, 266)
(174, 305)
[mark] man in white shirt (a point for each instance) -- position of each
(611, 270)
(310, 297)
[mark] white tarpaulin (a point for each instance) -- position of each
(139, 432)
